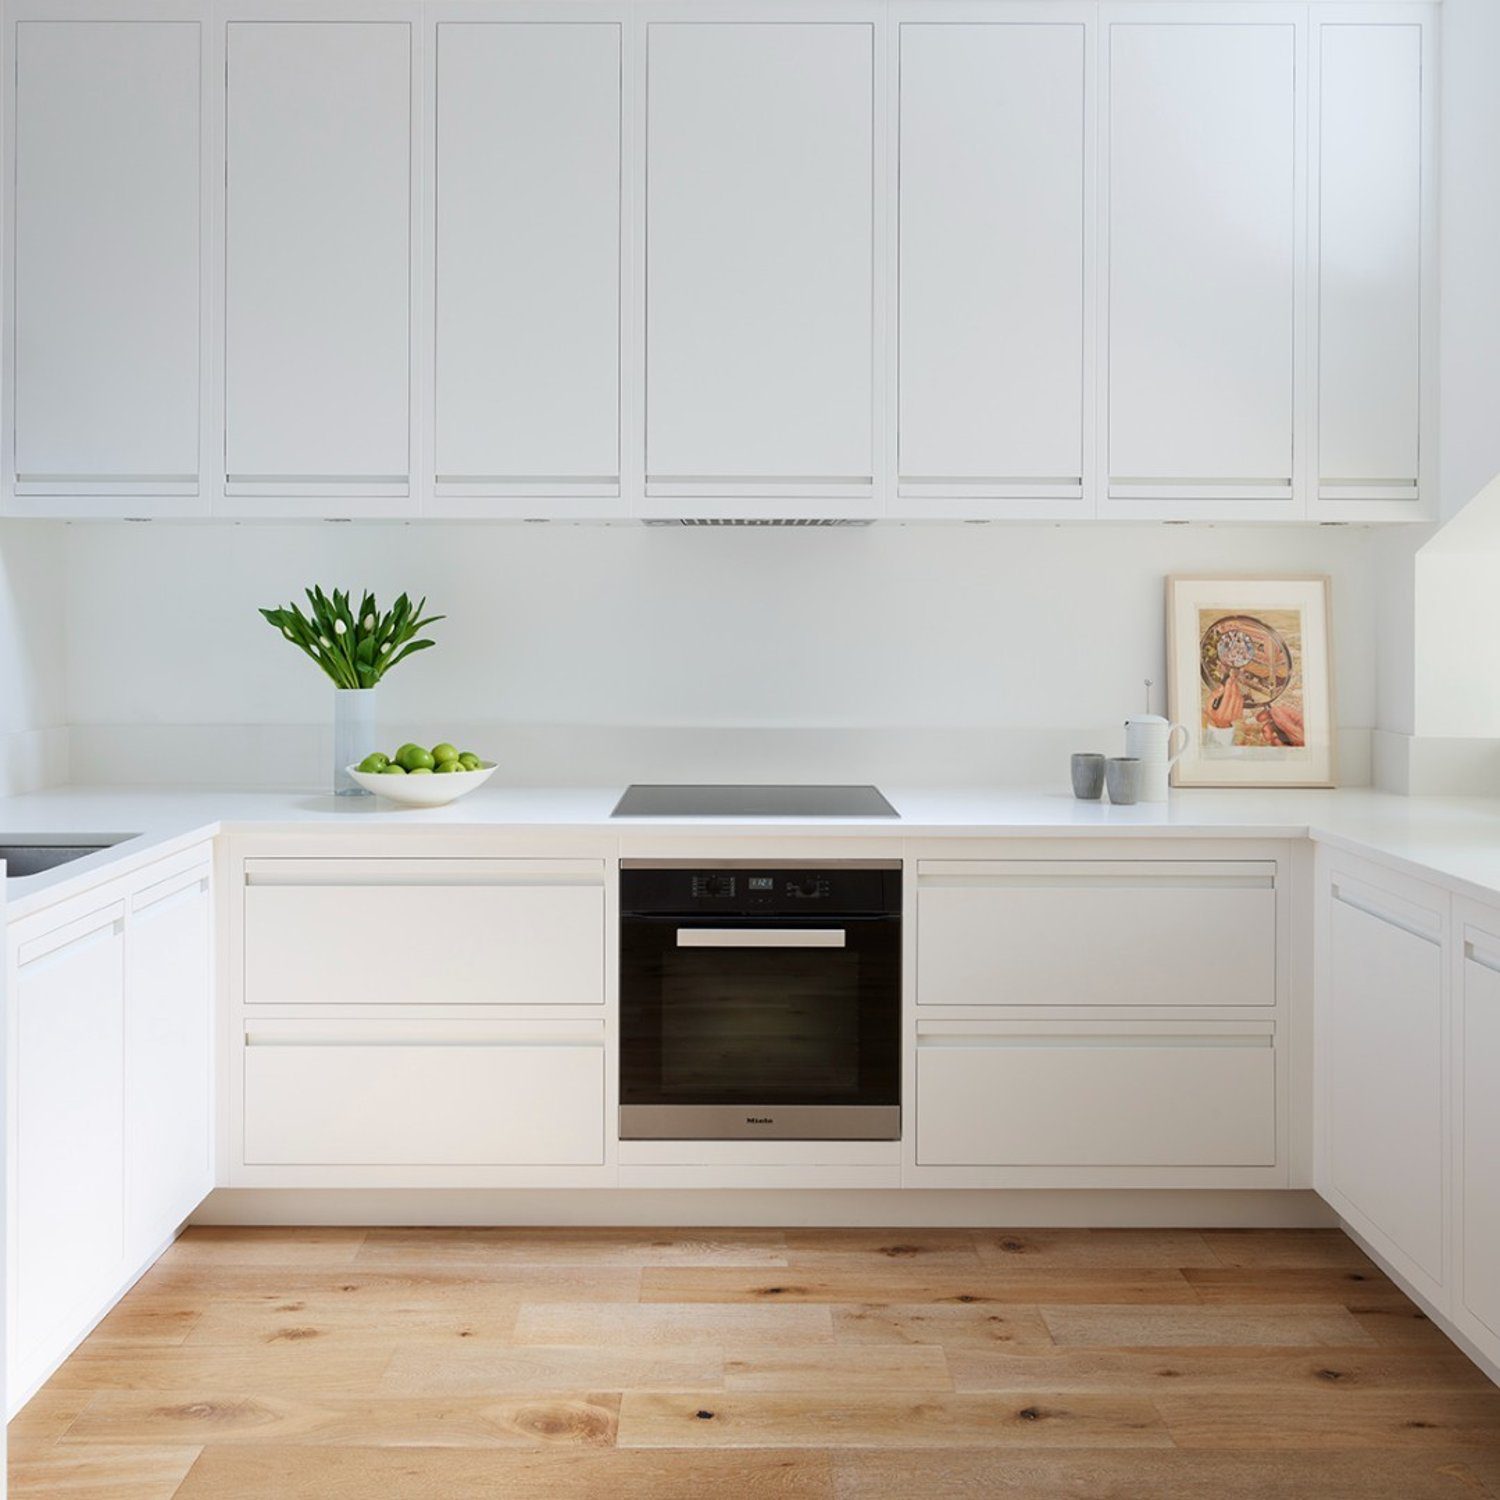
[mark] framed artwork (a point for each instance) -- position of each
(1250, 676)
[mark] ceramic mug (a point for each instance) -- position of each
(1149, 739)
(1088, 777)
(1123, 776)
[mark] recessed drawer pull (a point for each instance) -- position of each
(760, 937)
(1484, 960)
(1401, 922)
(1103, 1041)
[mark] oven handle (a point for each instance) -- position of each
(761, 937)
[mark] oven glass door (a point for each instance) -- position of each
(746, 1012)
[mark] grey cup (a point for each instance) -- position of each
(1088, 777)
(1123, 774)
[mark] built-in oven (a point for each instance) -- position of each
(760, 1000)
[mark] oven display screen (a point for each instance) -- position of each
(761, 883)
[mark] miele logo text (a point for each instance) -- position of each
(759, 1120)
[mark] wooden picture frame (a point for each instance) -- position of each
(1250, 677)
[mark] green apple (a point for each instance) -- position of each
(374, 763)
(393, 770)
(443, 752)
(446, 767)
(420, 771)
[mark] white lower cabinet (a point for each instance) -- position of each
(425, 1021)
(362, 1097)
(110, 1075)
(1477, 1154)
(1383, 1035)
(1097, 1096)
(169, 1029)
(424, 932)
(1138, 932)
(67, 1188)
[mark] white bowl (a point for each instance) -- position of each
(424, 791)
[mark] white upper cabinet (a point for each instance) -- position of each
(1203, 123)
(995, 165)
(1370, 229)
(527, 263)
(107, 247)
(760, 162)
(317, 261)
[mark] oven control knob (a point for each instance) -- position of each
(809, 888)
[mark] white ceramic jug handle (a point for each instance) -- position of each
(1176, 729)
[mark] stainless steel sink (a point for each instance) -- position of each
(33, 856)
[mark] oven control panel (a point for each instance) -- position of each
(865, 888)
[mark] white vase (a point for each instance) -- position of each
(353, 736)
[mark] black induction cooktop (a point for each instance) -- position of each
(753, 802)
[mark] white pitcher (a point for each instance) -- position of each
(1149, 738)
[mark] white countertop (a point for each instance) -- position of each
(1453, 840)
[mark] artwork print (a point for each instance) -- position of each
(1250, 677)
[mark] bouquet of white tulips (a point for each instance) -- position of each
(355, 650)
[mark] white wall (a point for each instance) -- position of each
(1469, 249)
(956, 650)
(1435, 705)
(33, 659)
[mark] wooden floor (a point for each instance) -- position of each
(350, 1364)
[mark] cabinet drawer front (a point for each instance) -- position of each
(436, 944)
(462, 1104)
(1176, 936)
(1097, 1101)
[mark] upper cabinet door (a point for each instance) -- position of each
(107, 254)
(317, 259)
(759, 245)
(527, 263)
(1204, 121)
(994, 177)
(1371, 236)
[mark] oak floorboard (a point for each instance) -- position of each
(667, 1323)
(1296, 1474)
(572, 1247)
(1247, 1370)
(876, 1249)
(474, 1281)
(890, 1284)
(1113, 1326)
(1024, 1419)
(48, 1414)
(845, 1369)
(213, 1245)
(293, 1473)
(449, 1370)
(1334, 1418)
(289, 1367)
(1284, 1249)
(1287, 1284)
(515, 1420)
(1400, 1325)
(313, 1321)
(984, 1325)
(98, 1471)
(1099, 1249)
